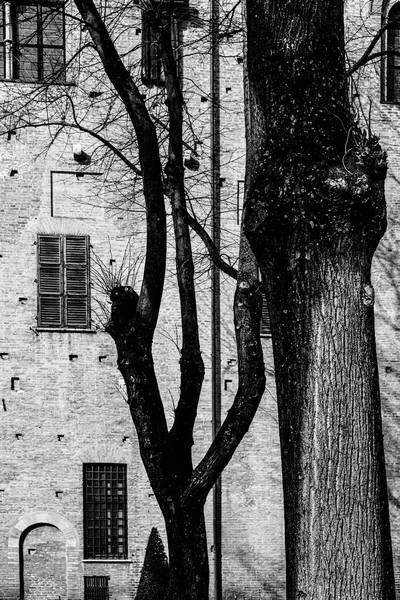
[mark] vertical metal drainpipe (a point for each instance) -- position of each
(215, 280)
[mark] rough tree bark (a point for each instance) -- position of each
(315, 211)
(180, 489)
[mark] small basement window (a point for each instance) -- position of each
(96, 587)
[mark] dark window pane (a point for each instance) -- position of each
(26, 63)
(152, 73)
(1, 22)
(2, 62)
(52, 26)
(26, 30)
(53, 65)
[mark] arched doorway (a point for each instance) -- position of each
(43, 565)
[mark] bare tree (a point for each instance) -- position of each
(143, 138)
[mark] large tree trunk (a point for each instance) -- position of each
(337, 528)
(188, 554)
(315, 211)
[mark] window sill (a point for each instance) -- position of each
(63, 330)
(107, 560)
(35, 82)
(391, 102)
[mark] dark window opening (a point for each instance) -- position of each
(96, 587)
(63, 281)
(105, 511)
(152, 69)
(32, 41)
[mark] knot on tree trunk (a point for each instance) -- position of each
(123, 309)
(248, 304)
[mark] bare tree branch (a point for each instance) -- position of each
(209, 244)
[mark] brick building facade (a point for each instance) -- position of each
(67, 435)
(66, 432)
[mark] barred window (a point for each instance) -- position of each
(265, 320)
(393, 59)
(63, 281)
(105, 511)
(32, 41)
(96, 587)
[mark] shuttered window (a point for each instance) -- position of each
(265, 320)
(96, 587)
(63, 281)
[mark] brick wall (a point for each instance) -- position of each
(62, 395)
(58, 412)
(44, 564)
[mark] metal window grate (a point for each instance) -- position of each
(96, 587)
(265, 320)
(105, 503)
(393, 60)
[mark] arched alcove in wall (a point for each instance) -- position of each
(40, 546)
(43, 563)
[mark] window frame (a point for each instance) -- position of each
(68, 288)
(151, 65)
(102, 514)
(11, 44)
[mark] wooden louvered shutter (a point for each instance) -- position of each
(265, 320)
(77, 281)
(50, 281)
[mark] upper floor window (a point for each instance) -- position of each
(391, 83)
(105, 511)
(63, 281)
(32, 41)
(152, 69)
